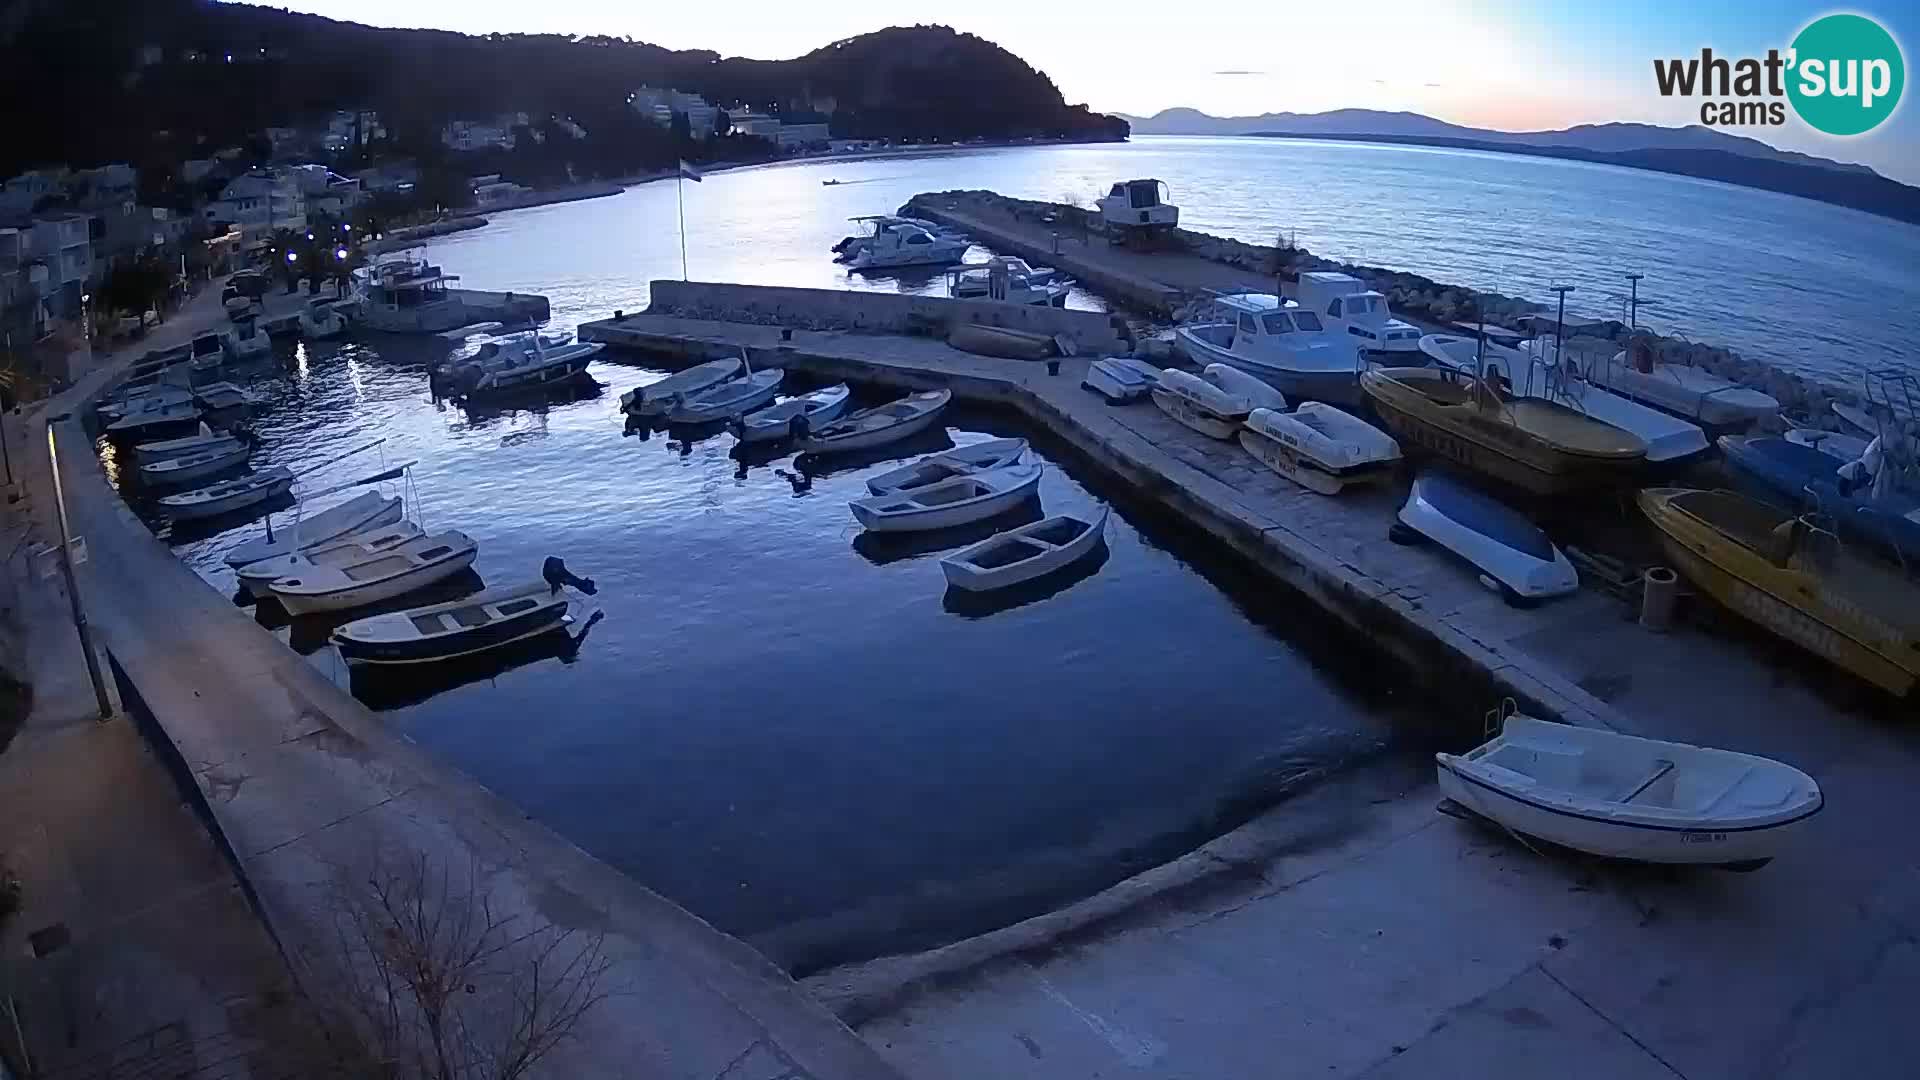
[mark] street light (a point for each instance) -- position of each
(293, 256)
(341, 254)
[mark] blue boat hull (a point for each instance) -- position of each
(1804, 477)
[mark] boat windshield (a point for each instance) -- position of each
(1278, 324)
(1308, 320)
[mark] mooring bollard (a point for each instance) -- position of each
(1660, 587)
(1053, 367)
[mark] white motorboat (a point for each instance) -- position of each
(322, 320)
(194, 467)
(1141, 205)
(526, 361)
(1121, 379)
(1621, 796)
(154, 396)
(728, 399)
(961, 461)
(359, 547)
(228, 495)
(223, 395)
(205, 439)
(794, 415)
(246, 341)
(656, 398)
(1690, 392)
(958, 501)
(1008, 279)
(486, 620)
(406, 294)
(1283, 344)
(897, 243)
(415, 564)
(1837, 445)
(207, 351)
(1347, 306)
(1023, 554)
(1319, 447)
(1514, 556)
(367, 510)
(154, 415)
(851, 246)
(879, 425)
(1232, 380)
(1200, 405)
(1536, 372)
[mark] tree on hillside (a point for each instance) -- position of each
(136, 287)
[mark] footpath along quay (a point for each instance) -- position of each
(1362, 934)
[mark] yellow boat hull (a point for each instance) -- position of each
(1794, 603)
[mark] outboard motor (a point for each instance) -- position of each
(557, 575)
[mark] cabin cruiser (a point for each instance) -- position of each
(1345, 304)
(1278, 341)
(897, 243)
(1138, 204)
(521, 361)
(402, 294)
(1008, 279)
(850, 246)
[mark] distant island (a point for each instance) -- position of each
(1685, 151)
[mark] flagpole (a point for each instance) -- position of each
(679, 190)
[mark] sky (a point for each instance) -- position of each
(1486, 63)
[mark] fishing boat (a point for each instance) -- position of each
(1535, 446)
(228, 495)
(367, 510)
(246, 342)
(152, 396)
(958, 501)
(656, 398)
(204, 439)
(1319, 447)
(1200, 404)
(1537, 372)
(1807, 477)
(394, 572)
(1348, 307)
(1767, 565)
(346, 550)
(728, 399)
(1278, 341)
(1121, 379)
(486, 620)
(405, 294)
(1514, 556)
(961, 461)
(879, 425)
(153, 416)
(223, 395)
(1624, 797)
(1023, 554)
(191, 468)
(1682, 389)
(1008, 279)
(207, 351)
(809, 410)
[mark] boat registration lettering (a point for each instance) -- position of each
(1702, 837)
(1785, 621)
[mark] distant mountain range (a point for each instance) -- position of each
(1603, 138)
(1687, 151)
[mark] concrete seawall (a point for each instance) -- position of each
(308, 788)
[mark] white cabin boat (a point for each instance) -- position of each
(657, 397)
(399, 570)
(1319, 447)
(961, 461)
(728, 399)
(1683, 390)
(322, 320)
(1345, 304)
(957, 501)
(228, 495)
(525, 361)
(1023, 554)
(367, 510)
(1121, 379)
(403, 294)
(1277, 341)
(880, 425)
(486, 620)
(1200, 405)
(896, 244)
(851, 246)
(1009, 280)
(1138, 205)
(195, 467)
(1624, 797)
(246, 341)
(794, 415)
(359, 547)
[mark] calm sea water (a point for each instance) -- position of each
(1815, 288)
(789, 727)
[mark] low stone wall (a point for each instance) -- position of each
(506, 307)
(1092, 332)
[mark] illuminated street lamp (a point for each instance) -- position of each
(341, 254)
(293, 256)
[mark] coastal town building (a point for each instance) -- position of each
(259, 202)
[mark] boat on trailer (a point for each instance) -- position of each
(960, 461)
(878, 426)
(1023, 554)
(1621, 796)
(1514, 556)
(958, 501)
(1320, 447)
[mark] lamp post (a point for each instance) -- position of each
(66, 570)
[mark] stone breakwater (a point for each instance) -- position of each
(1421, 299)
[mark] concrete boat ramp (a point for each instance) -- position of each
(1354, 931)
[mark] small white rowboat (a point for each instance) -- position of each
(1023, 554)
(367, 510)
(486, 620)
(1621, 796)
(228, 495)
(958, 501)
(1232, 380)
(415, 564)
(728, 399)
(655, 398)
(776, 422)
(360, 547)
(147, 453)
(1121, 379)
(1200, 404)
(961, 461)
(1319, 447)
(879, 425)
(194, 467)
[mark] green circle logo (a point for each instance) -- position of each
(1847, 74)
